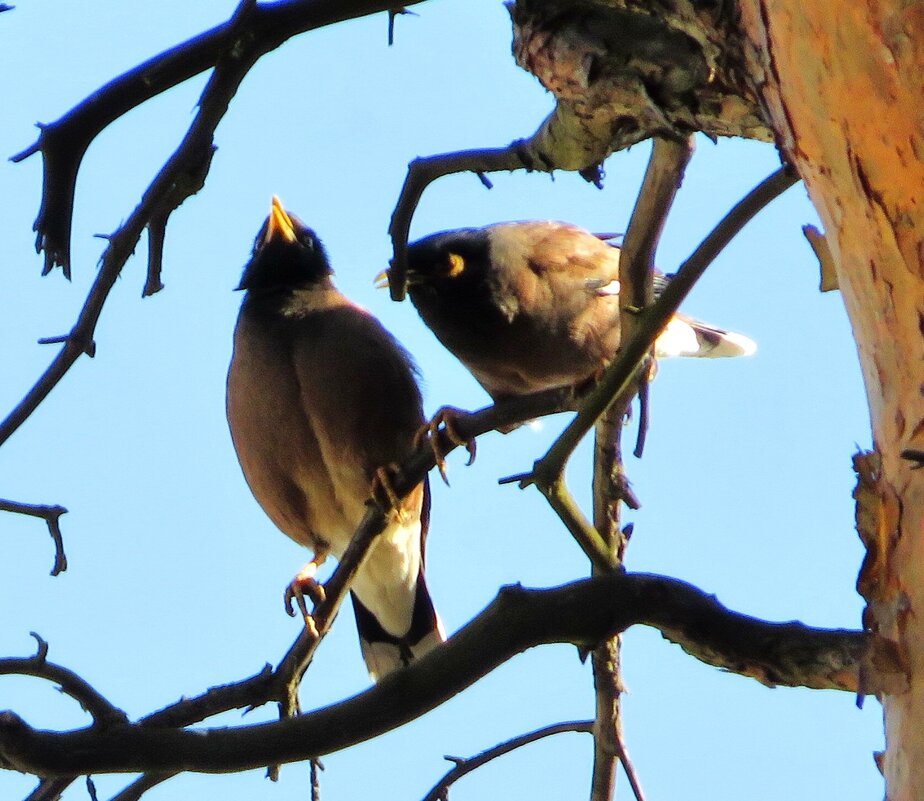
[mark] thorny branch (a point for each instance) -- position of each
(52, 517)
(440, 791)
(582, 613)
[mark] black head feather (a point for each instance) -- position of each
(452, 286)
(431, 259)
(286, 254)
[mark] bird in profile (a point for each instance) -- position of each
(321, 402)
(530, 306)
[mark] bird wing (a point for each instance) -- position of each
(274, 440)
(365, 408)
(547, 264)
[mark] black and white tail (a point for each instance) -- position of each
(384, 652)
(684, 336)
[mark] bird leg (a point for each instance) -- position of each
(383, 492)
(304, 584)
(447, 417)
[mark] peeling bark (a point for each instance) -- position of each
(842, 83)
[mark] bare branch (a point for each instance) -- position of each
(582, 613)
(64, 142)
(182, 174)
(281, 685)
(421, 173)
(465, 766)
(103, 712)
(233, 48)
(52, 516)
(610, 486)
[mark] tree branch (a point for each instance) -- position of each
(663, 176)
(465, 766)
(64, 142)
(140, 786)
(103, 712)
(182, 175)
(421, 172)
(52, 516)
(582, 613)
(281, 684)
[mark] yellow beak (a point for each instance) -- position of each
(381, 280)
(279, 224)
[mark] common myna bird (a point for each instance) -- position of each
(321, 401)
(529, 306)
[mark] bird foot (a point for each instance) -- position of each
(383, 492)
(447, 416)
(305, 584)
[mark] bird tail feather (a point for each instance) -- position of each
(684, 336)
(383, 652)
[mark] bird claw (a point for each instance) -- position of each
(447, 417)
(384, 493)
(304, 584)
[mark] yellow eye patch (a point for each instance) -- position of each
(456, 264)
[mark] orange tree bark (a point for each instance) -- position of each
(842, 82)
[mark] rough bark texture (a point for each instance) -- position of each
(842, 82)
(624, 70)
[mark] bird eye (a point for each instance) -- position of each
(455, 265)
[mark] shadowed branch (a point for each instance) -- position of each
(582, 613)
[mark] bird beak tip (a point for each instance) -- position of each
(381, 280)
(279, 224)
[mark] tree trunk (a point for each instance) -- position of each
(842, 82)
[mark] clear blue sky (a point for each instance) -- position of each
(176, 576)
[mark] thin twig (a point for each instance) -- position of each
(465, 766)
(315, 768)
(400, 11)
(628, 766)
(52, 516)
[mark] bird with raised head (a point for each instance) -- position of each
(529, 306)
(321, 401)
